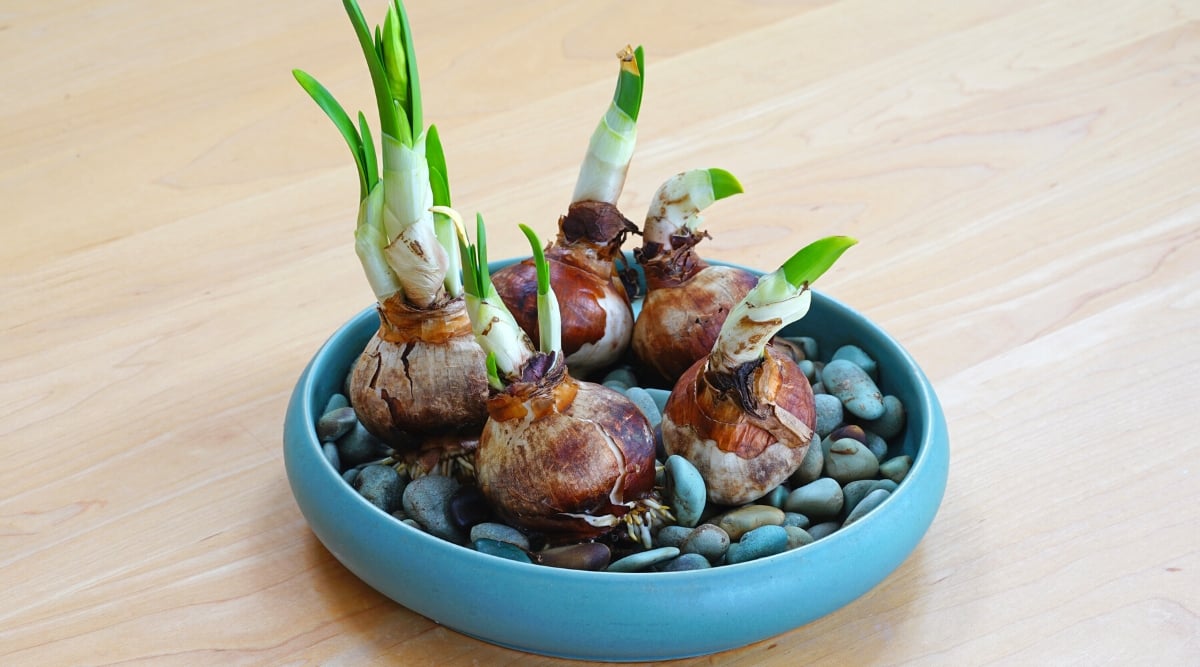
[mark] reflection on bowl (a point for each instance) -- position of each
(619, 616)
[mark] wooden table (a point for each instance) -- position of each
(1024, 178)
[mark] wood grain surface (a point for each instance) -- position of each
(176, 242)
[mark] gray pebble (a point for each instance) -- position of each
(806, 343)
(671, 536)
(707, 540)
(499, 532)
(775, 496)
(350, 475)
(336, 423)
(848, 460)
(809, 369)
(796, 519)
(592, 556)
(381, 485)
(877, 445)
(336, 401)
(797, 537)
(660, 397)
(622, 375)
(823, 529)
(686, 492)
(854, 388)
(685, 562)
(502, 549)
(759, 543)
(854, 492)
(829, 413)
(819, 388)
(896, 467)
(427, 499)
(330, 451)
(811, 467)
(855, 355)
(819, 499)
(413, 524)
(359, 446)
(867, 504)
(642, 560)
(891, 423)
(645, 402)
(619, 387)
(737, 522)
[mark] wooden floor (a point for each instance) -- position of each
(176, 242)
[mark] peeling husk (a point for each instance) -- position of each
(421, 379)
(597, 317)
(686, 303)
(744, 441)
(553, 451)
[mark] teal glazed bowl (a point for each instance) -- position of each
(621, 616)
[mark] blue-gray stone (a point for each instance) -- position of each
(684, 563)
(381, 485)
(867, 504)
(645, 402)
(759, 543)
(330, 451)
(499, 532)
(686, 492)
(854, 492)
(811, 467)
(737, 522)
(796, 519)
(877, 445)
(336, 401)
(854, 388)
(359, 446)
(891, 423)
(642, 560)
(849, 460)
(336, 423)
(427, 499)
(501, 549)
(671, 536)
(797, 537)
(817, 500)
(822, 530)
(350, 475)
(855, 355)
(707, 540)
(809, 369)
(775, 496)
(896, 467)
(622, 375)
(830, 414)
(616, 386)
(660, 397)
(806, 343)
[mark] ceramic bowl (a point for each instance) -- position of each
(622, 616)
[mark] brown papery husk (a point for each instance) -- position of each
(422, 378)
(741, 453)
(563, 447)
(594, 306)
(686, 302)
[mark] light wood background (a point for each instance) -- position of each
(175, 243)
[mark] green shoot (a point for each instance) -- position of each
(549, 316)
(628, 95)
(370, 159)
(341, 120)
(388, 120)
(724, 184)
(815, 259)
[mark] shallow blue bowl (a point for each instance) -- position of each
(618, 616)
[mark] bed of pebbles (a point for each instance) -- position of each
(848, 473)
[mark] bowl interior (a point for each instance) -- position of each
(616, 616)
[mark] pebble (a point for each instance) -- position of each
(684, 563)
(775, 496)
(592, 556)
(891, 423)
(330, 451)
(645, 402)
(819, 499)
(823, 529)
(854, 492)
(336, 423)
(350, 475)
(848, 460)
(737, 522)
(660, 397)
(643, 560)
(622, 375)
(501, 549)
(853, 431)
(811, 467)
(854, 388)
(896, 467)
(381, 485)
(499, 532)
(797, 537)
(796, 519)
(807, 344)
(809, 369)
(413, 523)
(867, 504)
(427, 499)
(619, 387)
(359, 446)
(829, 413)
(877, 445)
(468, 507)
(336, 401)
(707, 540)
(759, 543)
(671, 536)
(686, 492)
(855, 355)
